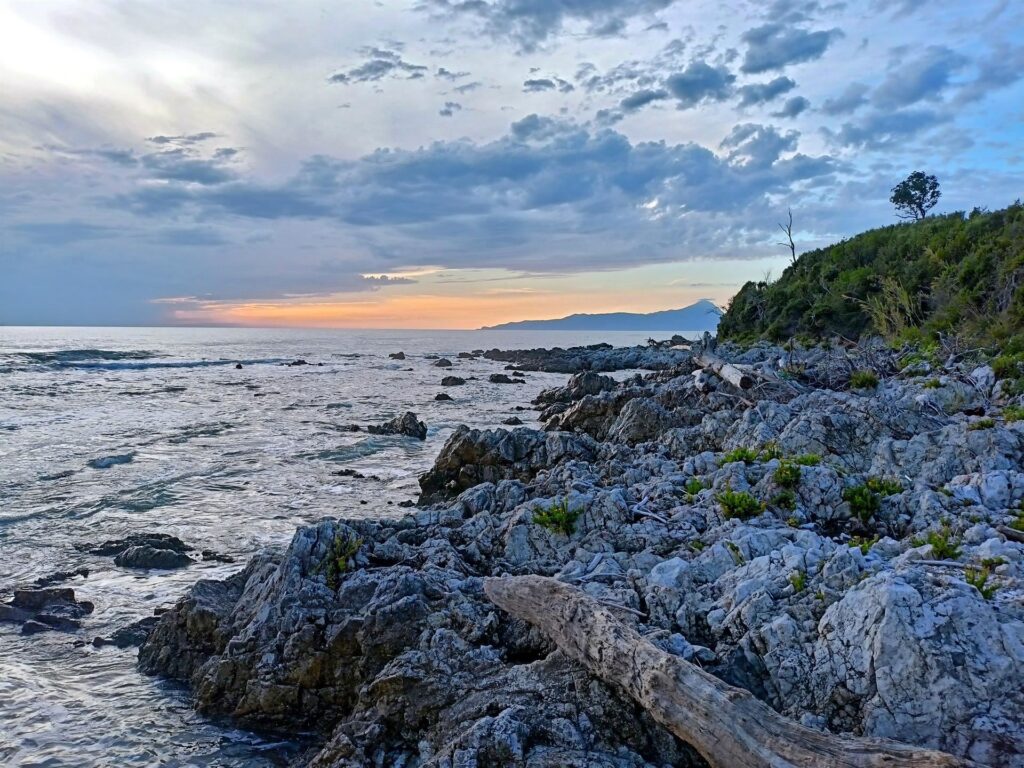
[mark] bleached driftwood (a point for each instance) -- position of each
(736, 376)
(727, 725)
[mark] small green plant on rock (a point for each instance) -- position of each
(1013, 413)
(808, 460)
(693, 486)
(864, 503)
(985, 423)
(787, 475)
(799, 581)
(932, 384)
(978, 578)
(863, 543)
(734, 550)
(884, 486)
(945, 546)
(771, 450)
(863, 380)
(746, 455)
(558, 517)
(341, 558)
(1018, 523)
(785, 499)
(739, 504)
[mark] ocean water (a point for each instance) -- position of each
(110, 431)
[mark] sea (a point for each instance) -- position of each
(106, 432)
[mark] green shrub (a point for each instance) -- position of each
(863, 380)
(693, 486)
(739, 504)
(746, 455)
(787, 475)
(770, 450)
(808, 460)
(558, 517)
(1018, 523)
(932, 384)
(785, 500)
(978, 578)
(864, 503)
(1013, 413)
(799, 580)
(986, 423)
(884, 486)
(945, 546)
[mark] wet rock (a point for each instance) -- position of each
(210, 555)
(512, 421)
(119, 546)
(443, 363)
(238, 366)
(443, 396)
(350, 473)
(295, 363)
(41, 610)
(58, 577)
(146, 556)
(406, 424)
(397, 356)
(130, 636)
(466, 356)
(452, 381)
(501, 378)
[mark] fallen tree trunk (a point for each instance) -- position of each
(728, 726)
(737, 377)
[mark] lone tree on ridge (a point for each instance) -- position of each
(915, 195)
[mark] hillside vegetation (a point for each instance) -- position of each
(952, 275)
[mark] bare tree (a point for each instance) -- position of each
(788, 229)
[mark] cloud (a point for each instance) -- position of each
(924, 78)
(641, 99)
(446, 74)
(380, 63)
(884, 129)
(1002, 68)
(183, 139)
(760, 93)
(450, 108)
(529, 24)
(700, 82)
(774, 46)
(183, 165)
(467, 87)
(852, 98)
(541, 84)
(549, 187)
(793, 107)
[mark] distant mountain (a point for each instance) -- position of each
(702, 316)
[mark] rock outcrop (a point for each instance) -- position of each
(849, 558)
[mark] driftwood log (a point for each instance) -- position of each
(736, 376)
(728, 726)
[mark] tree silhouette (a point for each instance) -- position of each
(915, 195)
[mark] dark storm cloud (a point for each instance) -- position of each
(530, 23)
(774, 46)
(760, 93)
(379, 63)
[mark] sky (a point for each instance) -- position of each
(458, 163)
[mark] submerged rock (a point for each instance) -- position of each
(43, 610)
(443, 363)
(146, 556)
(452, 381)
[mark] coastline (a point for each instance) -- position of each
(826, 548)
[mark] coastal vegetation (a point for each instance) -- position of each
(958, 277)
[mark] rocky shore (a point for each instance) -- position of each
(842, 539)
